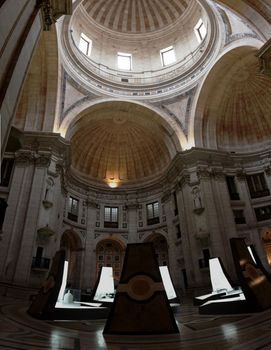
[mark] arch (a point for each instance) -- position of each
(72, 244)
(222, 122)
(160, 246)
(255, 11)
(121, 141)
(37, 106)
(173, 128)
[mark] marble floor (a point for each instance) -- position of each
(204, 332)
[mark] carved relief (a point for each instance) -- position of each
(24, 158)
(198, 207)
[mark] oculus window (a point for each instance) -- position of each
(200, 30)
(85, 44)
(124, 61)
(168, 56)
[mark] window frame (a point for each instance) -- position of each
(163, 53)
(197, 29)
(151, 216)
(113, 221)
(124, 55)
(257, 185)
(73, 213)
(88, 41)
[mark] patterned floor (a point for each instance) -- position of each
(19, 331)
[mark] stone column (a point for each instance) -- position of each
(15, 214)
(173, 253)
(226, 217)
(245, 197)
(211, 212)
(188, 230)
(132, 222)
(89, 260)
(29, 229)
(267, 171)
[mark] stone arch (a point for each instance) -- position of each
(72, 244)
(172, 127)
(37, 106)
(160, 244)
(110, 252)
(220, 122)
(257, 12)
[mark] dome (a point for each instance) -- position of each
(120, 143)
(135, 16)
(236, 114)
(145, 32)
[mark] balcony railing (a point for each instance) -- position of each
(258, 194)
(153, 221)
(241, 220)
(111, 224)
(40, 263)
(72, 217)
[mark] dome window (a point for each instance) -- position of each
(200, 30)
(85, 44)
(168, 56)
(124, 61)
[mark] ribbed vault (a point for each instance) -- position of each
(237, 106)
(120, 143)
(135, 16)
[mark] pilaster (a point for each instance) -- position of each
(30, 227)
(132, 222)
(19, 196)
(89, 260)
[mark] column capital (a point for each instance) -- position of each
(91, 204)
(51, 10)
(218, 174)
(185, 179)
(240, 174)
(43, 159)
(24, 157)
(132, 205)
(203, 172)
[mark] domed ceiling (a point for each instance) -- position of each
(135, 16)
(119, 143)
(237, 113)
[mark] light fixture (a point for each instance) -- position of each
(112, 182)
